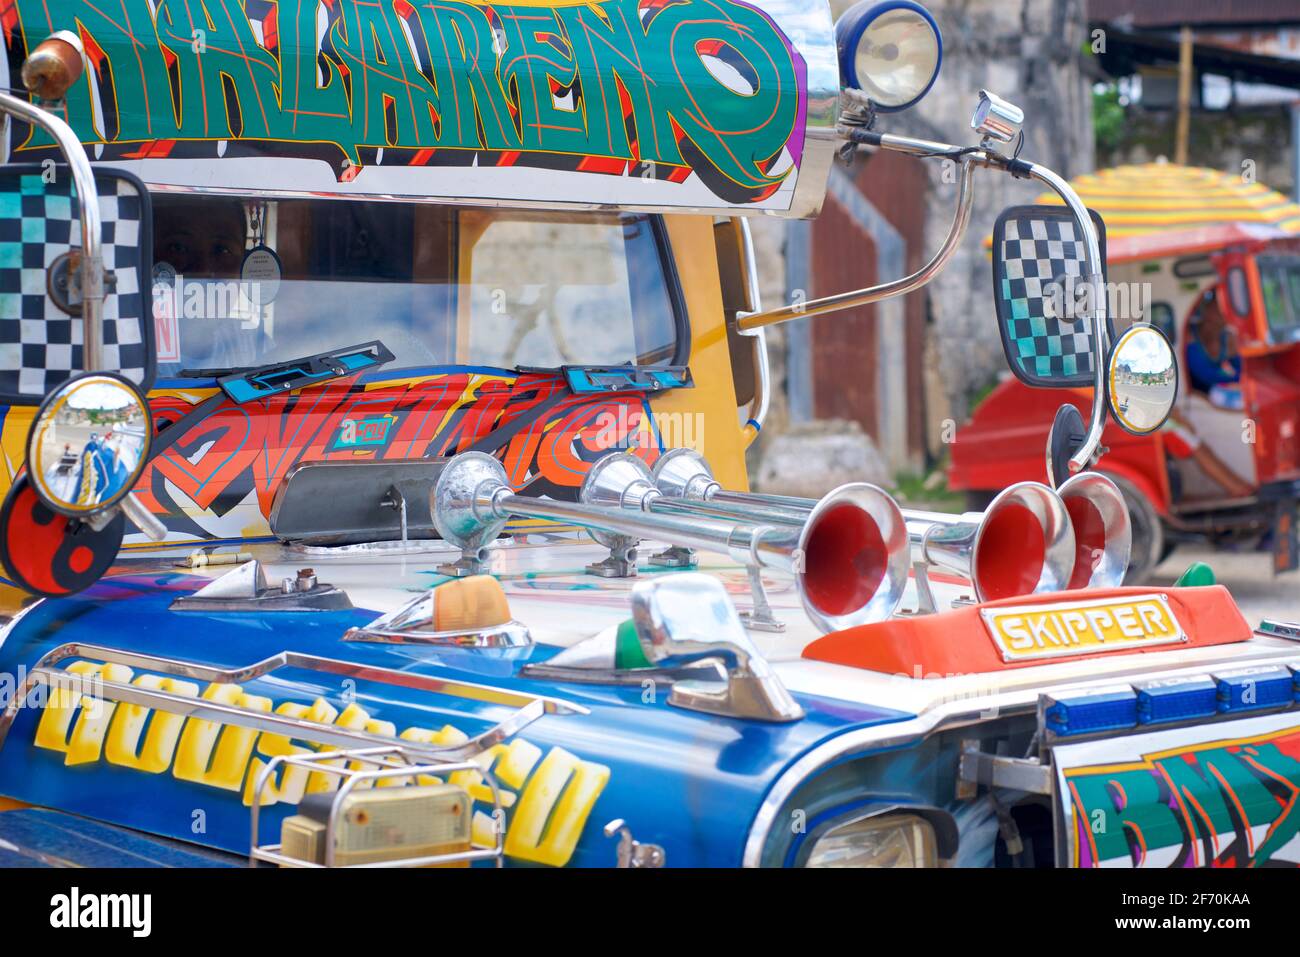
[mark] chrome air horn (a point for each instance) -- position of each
(837, 559)
(856, 523)
(1022, 544)
(1103, 532)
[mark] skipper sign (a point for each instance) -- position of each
(1061, 629)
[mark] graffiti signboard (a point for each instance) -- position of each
(649, 103)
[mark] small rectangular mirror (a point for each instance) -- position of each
(1042, 296)
(40, 314)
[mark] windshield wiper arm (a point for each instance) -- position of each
(246, 385)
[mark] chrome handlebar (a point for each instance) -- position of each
(969, 158)
(1100, 340)
(92, 257)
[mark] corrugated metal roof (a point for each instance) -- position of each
(1147, 14)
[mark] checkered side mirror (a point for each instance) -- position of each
(1039, 273)
(40, 335)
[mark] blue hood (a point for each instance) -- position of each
(689, 782)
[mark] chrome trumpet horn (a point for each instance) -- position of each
(851, 561)
(1022, 544)
(1103, 531)
(844, 572)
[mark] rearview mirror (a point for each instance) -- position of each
(1141, 379)
(1043, 297)
(40, 279)
(88, 444)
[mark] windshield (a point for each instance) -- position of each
(1279, 281)
(241, 283)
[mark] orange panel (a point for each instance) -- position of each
(957, 642)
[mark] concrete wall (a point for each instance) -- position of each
(1250, 141)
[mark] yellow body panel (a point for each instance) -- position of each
(712, 403)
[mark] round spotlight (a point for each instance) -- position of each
(891, 51)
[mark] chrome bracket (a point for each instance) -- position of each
(245, 589)
(978, 768)
(925, 603)
(471, 562)
(621, 562)
(760, 617)
(394, 499)
(674, 556)
(631, 852)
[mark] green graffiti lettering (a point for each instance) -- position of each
(460, 41)
(1285, 770)
(537, 57)
(736, 94)
(315, 103)
(710, 85)
(228, 81)
(387, 84)
(1136, 812)
(1218, 787)
(612, 55)
(1221, 797)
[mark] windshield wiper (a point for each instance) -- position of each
(589, 379)
(246, 385)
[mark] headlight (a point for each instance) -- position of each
(889, 840)
(891, 51)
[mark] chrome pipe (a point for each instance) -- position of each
(92, 257)
(762, 367)
(987, 157)
(843, 575)
(1026, 519)
(686, 481)
(897, 287)
(1100, 341)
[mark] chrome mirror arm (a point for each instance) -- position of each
(967, 161)
(762, 368)
(143, 519)
(1091, 448)
(969, 158)
(92, 257)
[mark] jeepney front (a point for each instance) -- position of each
(387, 295)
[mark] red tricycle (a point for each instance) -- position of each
(1226, 465)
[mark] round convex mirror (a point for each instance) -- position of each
(89, 443)
(1142, 379)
